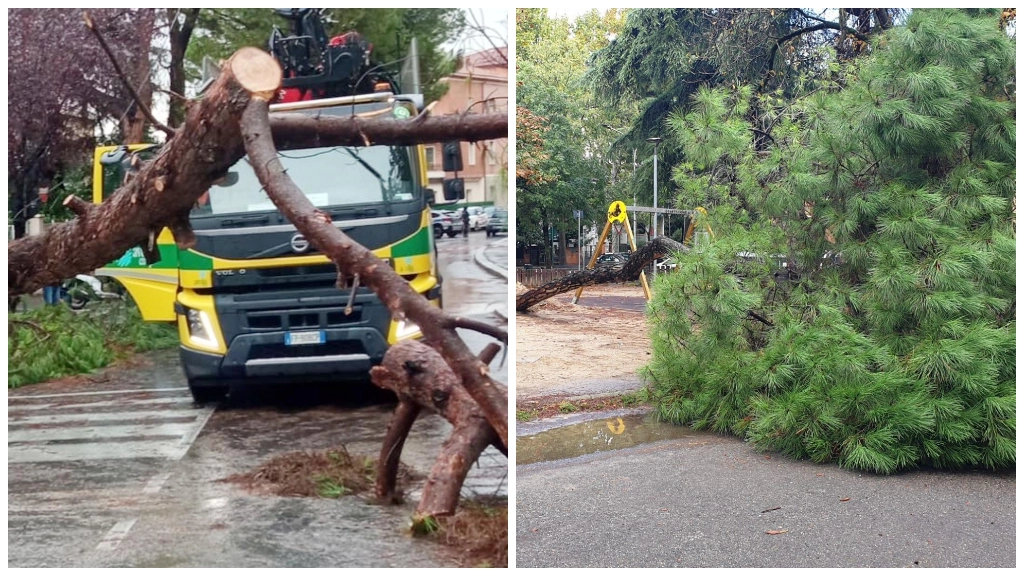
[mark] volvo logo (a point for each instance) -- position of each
(299, 243)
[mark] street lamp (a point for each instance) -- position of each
(623, 134)
(654, 216)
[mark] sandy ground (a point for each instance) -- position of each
(586, 349)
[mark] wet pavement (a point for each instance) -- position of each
(120, 469)
(613, 431)
(698, 499)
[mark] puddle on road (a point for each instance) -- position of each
(596, 436)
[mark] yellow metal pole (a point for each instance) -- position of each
(632, 246)
(593, 258)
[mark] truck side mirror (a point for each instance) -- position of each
(430, 196)
(454, 189)
(452, 158)
(229, 179)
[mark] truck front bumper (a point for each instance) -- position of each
(346, 351)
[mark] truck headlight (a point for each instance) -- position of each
(406, 329)
(200, 329)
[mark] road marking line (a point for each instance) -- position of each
(91, 451)
(214, 503)
(142, 391)
(98, 432)
(116, 535)
(155, 483)
(103, 417)
(187, 441)
(102, 404)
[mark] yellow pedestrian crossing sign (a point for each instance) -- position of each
(617, 211)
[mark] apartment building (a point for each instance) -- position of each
(479, 85)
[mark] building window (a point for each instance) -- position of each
(430, 157)
(489, 151)
(472, 154)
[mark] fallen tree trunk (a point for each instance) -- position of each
(162, 193)
(355, 260)
(302, 131)
(422, 380)
(209, 142)
(628, 272)
(230, 121)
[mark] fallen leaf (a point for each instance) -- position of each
(767, 457)
(533, 529)
(771, 509)
(844, 499)
(819, 475)
(774, 532)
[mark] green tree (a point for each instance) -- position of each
(664, 56)
(564, 155)
(860, 307)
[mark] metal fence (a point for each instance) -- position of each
(534, 277)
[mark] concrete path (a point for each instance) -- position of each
(711, 501)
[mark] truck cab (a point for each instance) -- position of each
(253, 299)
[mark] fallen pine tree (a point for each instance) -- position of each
(627, 272)
(232, 119)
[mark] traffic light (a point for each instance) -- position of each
(452, 157)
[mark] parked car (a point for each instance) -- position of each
(445, 223)
(610, 260)
(477, 217)
(666, 264)
(498, 222)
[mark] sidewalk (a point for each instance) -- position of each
(494, 258)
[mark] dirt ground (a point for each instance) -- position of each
(591, 348)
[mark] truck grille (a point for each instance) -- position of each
(263, 351)
(310, 318)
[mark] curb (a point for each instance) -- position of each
(489, 266)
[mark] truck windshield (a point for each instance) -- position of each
(334, 176)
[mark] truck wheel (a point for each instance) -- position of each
(452, 233)
(438, 231)
(207, 393)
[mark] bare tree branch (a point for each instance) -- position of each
(352, 258)
(124, 78)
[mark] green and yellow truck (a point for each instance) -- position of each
(252, 298)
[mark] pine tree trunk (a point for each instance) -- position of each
(162, 193)
(628, 272)
(210, 142)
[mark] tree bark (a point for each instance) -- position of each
(355, 260)
(161, 193)
(628, 272)
(164, 191)
(421, 379)
(302, 131)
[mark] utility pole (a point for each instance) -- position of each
(623, 134)
(654, 215)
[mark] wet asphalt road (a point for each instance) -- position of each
(703, 500)
(120, 469)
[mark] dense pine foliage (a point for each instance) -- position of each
(858, 302)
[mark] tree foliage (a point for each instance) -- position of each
(664, 56)
(563, 145)
(858, 305)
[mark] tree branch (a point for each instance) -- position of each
(352, 258)
(124, 78)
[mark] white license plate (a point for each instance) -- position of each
(300, 338)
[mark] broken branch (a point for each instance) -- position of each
(352, 258)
